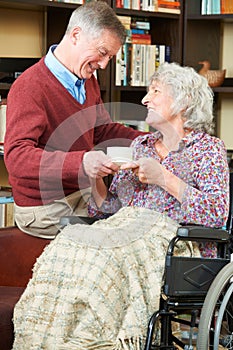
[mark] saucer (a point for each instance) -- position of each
(119, 161)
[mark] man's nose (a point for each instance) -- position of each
(103, 62)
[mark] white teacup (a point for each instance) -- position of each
(120, 155)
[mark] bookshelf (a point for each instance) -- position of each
(191, 36)
(210, 37)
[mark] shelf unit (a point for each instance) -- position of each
(203, 40)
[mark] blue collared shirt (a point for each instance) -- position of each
(74, 85)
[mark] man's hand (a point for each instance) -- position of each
(97, 164)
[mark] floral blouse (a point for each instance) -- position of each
(200, 161)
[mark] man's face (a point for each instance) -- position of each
(90, 54)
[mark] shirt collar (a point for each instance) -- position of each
(60, 71)
(189, 139)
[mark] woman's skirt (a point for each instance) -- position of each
(95, 287)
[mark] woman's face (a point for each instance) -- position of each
(90, 54)
(158, 102)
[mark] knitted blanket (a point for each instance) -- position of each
(95, 287)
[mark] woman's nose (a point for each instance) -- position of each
(145, 99)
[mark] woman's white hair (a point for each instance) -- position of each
(193, 97)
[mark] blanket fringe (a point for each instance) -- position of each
(135, 343)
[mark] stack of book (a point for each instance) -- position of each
(141, 5)
(169, 6)
(216, 7)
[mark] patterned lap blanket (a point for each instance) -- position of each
(95, 287)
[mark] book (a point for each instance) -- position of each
(169, 10)
(151, 51)
(2, 122)
(127, 49)
(7, 215)
(119, 3)
(126, 21)
(222, 6)
(135, 5)
(215, 7)
(136, 65)
(169, 3)
(141, 39)
(228, 6)
(168, 53)
(204, 7)
(161, 54)
(119, 74)
(126, 4)
(6, 208)
(143, 71)
(140, 24)
(211, 7)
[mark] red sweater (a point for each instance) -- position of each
(47, 134)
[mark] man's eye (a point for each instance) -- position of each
(102, 53)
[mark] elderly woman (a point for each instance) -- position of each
(95, 287)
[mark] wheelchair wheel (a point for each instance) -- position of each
(215, 330)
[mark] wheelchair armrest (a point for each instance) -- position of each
(65, 220)
(203, 233)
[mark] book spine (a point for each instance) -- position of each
(136, 64)
(209, 7)
(204, 7)
(216, 7)
(168, 53)
(2, 123)
(169, 3)
(223, 6)
(118, 68)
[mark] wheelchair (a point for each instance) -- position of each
(197, 293)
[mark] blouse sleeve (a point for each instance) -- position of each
(208, 203)
(119, 194)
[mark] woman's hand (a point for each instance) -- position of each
(148, 170)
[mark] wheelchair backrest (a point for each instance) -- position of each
(230, 217)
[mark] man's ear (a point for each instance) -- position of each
(75, 34)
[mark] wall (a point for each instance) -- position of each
(226, 100)
(21, 33)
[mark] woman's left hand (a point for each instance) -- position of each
(148, 170)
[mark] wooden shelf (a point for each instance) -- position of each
(149, 14)
(225, 17)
